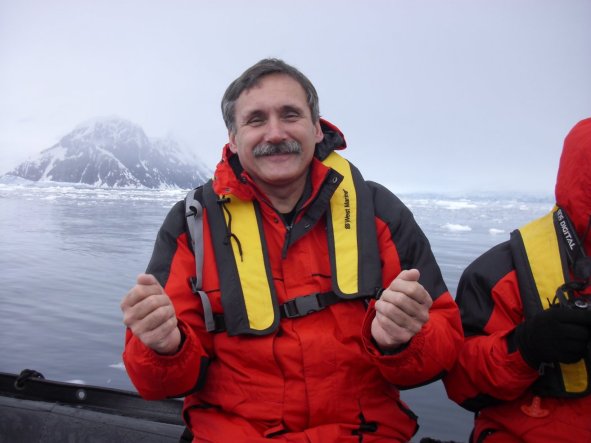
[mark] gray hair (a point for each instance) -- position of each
(252, 76)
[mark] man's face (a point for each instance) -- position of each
(271, 120)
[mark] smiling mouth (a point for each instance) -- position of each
(275, 154)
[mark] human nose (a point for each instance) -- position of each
(275, 132)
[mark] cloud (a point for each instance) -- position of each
(431, 95)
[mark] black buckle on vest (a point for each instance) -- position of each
(307, 304)
(300, 306)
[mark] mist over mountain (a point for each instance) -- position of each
(113, 152)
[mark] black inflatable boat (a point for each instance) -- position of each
(36, 410)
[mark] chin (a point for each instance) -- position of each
(279, 180)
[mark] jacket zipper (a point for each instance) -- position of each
(286, 241)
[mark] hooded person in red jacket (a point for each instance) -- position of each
(316, 296)
(526, 312)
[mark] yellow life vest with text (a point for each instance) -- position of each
(542, 267)
(246, 284)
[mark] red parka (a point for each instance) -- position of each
(317, 378)
(490, 379)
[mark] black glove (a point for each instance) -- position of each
(556, 334)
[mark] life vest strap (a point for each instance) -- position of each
(294, 308)
(208, 315)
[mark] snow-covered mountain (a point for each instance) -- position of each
(112, 152)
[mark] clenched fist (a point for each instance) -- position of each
(149, 313)
(401, 311)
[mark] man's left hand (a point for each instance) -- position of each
(401, 311)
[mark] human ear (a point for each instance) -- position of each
(318, 134)
(232, 141)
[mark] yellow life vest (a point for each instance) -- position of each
(541, 269)
(246, 284)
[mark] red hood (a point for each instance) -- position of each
(573, 183)
(226, 180)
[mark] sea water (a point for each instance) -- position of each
(69, 254)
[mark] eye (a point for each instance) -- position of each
(291, 116)
(255, 121)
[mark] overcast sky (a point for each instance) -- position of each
(431, 95)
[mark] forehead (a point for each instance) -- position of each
(272, 91)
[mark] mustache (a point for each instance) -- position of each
(284, 147)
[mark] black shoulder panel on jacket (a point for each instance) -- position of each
(166, 243)
(476, 284)
(411, 243)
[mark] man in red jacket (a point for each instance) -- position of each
(525, 364)
(315, 295)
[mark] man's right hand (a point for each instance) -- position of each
(556, 334)
(149, 313)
